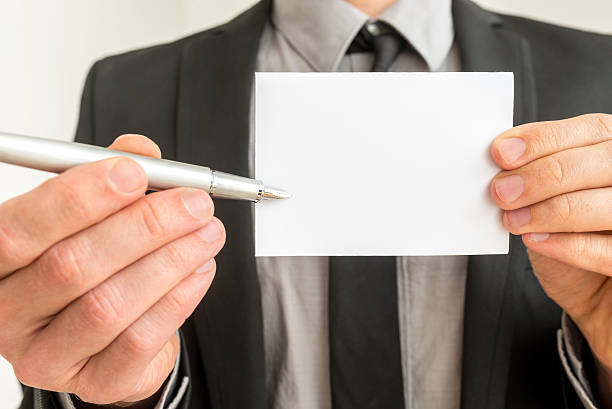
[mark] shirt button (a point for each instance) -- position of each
(373, 28)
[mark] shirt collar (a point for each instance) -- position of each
(322, 30)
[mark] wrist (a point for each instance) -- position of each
(148, 403)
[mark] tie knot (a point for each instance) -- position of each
(381, 39)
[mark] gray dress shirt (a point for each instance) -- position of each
(313, 35)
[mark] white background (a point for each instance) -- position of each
(47, 47)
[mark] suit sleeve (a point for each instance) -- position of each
(573, 352)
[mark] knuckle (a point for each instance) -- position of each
(9, 252)
(62, 265)
(175, 301)
(556, 169)
(180, 302)
(604, 121)
(546, 137)
(72, 201)
(174, 255)
(564, 208)
(582, 246)
(98, 310)
(597, 251)
(138, 341)
(592, 248)
(152, 221)
(601, 252)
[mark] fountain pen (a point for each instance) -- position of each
(57, 156)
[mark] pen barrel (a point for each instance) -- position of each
(57, 156)
(227, 186)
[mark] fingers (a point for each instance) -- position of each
(582, 211)
(523, 144)
(81, 262)
(74, 200)
(137, 144)
(99, 316)
(131, 356)
(587, 251)
(562, 172)
(64, 205)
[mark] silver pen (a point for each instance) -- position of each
(57, 156)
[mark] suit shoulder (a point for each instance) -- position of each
(571, 67)
(542, 26)
(135, 92)
(138, 91)
(165, 58)
(130, 66)
(564, 41)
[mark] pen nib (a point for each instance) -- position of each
(272, 193)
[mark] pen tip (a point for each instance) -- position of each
(272, 193)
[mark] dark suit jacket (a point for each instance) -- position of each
(192, 97)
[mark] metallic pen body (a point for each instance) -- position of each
(57, 156)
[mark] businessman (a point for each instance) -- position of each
(102, 288)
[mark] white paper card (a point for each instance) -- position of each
(379, 163)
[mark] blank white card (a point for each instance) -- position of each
(379, 163)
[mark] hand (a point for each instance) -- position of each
(95, 278)
(556, 191)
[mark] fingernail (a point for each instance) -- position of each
(198, 203)
(519, 217)
(206, 267)
(509, 188)
(538, 236)
(511, 149)
(211, 232)
(126, 176)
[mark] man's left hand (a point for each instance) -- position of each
(556, 190)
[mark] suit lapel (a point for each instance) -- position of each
(487, 46)
(213, 129)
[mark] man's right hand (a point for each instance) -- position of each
(95, 278)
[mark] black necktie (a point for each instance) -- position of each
(365, 357)
(382, 40)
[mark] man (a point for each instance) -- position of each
(96, 278)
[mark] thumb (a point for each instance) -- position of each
(137, 144)
(155, 376)
(570, 287)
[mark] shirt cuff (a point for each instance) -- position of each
(165, 401)
(571, 346)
